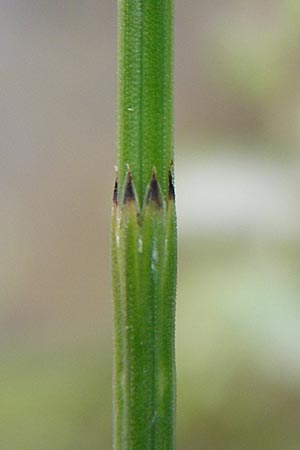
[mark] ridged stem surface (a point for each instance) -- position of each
(144, 230)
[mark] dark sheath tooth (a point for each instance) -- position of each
(115, 194)
(171, 187)
(129, 192)
(153, 192)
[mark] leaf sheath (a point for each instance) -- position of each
(144, 270)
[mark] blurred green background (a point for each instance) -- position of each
(237, 139)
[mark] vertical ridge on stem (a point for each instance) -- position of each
(144, 230)
(145, 91)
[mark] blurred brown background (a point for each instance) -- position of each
(237, 108)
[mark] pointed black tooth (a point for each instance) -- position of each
(115, 194)
(153, 193)
(171, 187)
(129, 192)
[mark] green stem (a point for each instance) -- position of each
(145, 91)
(144, 231)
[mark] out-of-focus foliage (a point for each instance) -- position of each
(238, 163)
(55, 397)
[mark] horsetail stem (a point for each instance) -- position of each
(144, 230)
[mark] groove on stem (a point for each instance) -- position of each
(144, 230)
